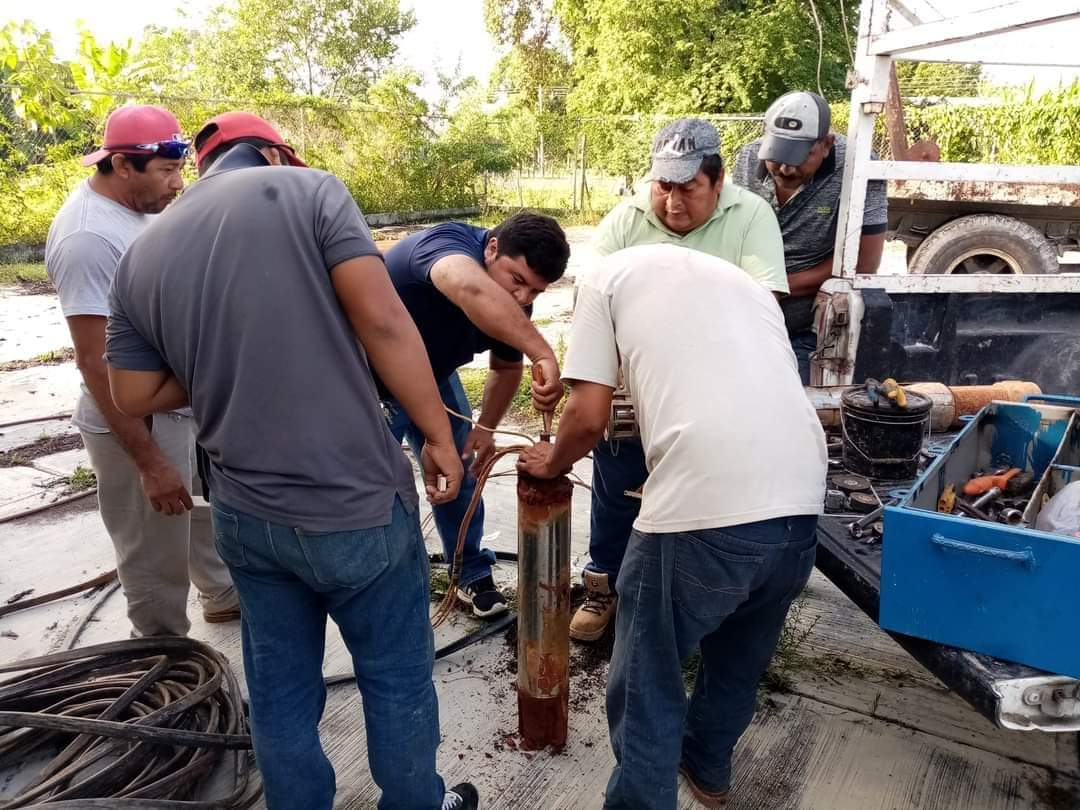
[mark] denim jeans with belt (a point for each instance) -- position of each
(476, 562)
(374, 584)
(618, 466)
(725, 592)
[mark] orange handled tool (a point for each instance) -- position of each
(985, 483)
(545, 436)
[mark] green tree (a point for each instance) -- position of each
(328, 48)
(701, 55)
(534, 71)
(45, 123)
(37, 85)
(331, 49)
(676, 57)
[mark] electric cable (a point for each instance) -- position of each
(146, 721)
(820, 44)
(35, 419)
(47, 506)
(58, 502)
(502, 431)
(847, 34)
(112, 695)
(90, 584)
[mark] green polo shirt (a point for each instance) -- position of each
(742, 230)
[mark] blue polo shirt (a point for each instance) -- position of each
(449, 336)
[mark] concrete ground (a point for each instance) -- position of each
(849, 722)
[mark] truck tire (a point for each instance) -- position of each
(985, 243)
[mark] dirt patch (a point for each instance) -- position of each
(507, 663)
(45, 446)
(1055, 797)
(34, 288)
(589, 669)
(394, 233)
(51, 358)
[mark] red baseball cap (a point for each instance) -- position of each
(134, 124)
(233, 126)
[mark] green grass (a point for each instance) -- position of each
(22, 273)
(787, 659)
(81, 480)
(12, 459)
(439, 582)
(50, 358)
(554, 192)
(520, 410)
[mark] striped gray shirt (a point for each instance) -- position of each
(808, 220)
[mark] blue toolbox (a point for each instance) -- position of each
(988, 581)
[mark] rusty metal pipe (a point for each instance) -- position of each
(543, 676)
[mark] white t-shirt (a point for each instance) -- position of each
(85, 243)
(729, 435)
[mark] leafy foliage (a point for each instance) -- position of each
(608, 73)
(938, 79)
(317, 69)
(700, 55)
(674, 57)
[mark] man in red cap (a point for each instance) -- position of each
(143, 466)
(222, 132)
(270, 322)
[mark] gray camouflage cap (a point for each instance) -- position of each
(679, 148)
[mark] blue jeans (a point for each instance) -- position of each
(374, 584)
(476, 562)
(803, 344)
(618, 466)
(725, 592)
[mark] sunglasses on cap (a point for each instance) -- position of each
(173, 149)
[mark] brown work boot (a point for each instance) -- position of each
(596, 612)
(220, 616)
(709, 798)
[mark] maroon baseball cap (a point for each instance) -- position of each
(135, 124)
(233, 126)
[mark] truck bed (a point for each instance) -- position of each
(992, 686)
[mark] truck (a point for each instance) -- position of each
(984, 300)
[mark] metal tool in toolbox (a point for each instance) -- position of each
(984, 580)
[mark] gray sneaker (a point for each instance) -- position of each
(484, 597)
(461, 797)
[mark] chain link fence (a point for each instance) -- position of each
(400, 157)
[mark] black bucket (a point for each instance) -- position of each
(883, 442)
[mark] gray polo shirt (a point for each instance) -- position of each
(230, 288)
(808, 220)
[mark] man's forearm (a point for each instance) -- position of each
(403, 368)
(581, 426)
(392, 343)
(871, 247)
(501, 318)
(132, 432)
(144, 393)
(807, 282)
(488, 306)
(499, 390)
(399, 358)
